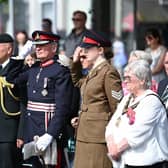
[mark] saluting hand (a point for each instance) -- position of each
(76, 54)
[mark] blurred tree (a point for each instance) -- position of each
(3, 1)
(3, 15)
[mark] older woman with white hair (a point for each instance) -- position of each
(140, 55)
(137, 134)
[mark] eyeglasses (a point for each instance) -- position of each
(127, 78)
(83, 57)
(76, 19)
(131, 78)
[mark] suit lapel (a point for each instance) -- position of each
(4, 70)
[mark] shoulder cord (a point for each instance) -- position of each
(157, 97)
(4, 83)
(160, 101)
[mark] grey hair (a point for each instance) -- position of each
(141, 69)
(140, 54)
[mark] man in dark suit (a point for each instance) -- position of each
(49, 88)
(9, 107)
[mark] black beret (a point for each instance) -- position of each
(6, 38)
(42, 37)
(93, 38)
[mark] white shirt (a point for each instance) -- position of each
(148, 136)
(5, 63)
(156, 54)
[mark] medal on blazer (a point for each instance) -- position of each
(44, 92)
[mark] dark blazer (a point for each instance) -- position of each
(56, 80)
(162, 85)
(9, 124)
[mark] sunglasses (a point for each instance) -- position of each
(83, 57)
(127, 78)
(76, 19)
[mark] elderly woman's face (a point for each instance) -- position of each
(133, 84)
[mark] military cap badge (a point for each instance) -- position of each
(37, 37)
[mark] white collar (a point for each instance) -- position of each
(5, 63)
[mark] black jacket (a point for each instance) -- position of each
(9, 125)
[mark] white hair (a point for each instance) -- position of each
(141, 69)
(140, 54)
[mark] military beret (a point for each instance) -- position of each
(93, 38)
(42, 37)
(6, 38)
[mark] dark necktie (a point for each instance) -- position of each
(164, 96)
(0, 67)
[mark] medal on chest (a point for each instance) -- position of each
(44, 92)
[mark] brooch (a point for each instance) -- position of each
(131, 115)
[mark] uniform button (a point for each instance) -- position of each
(29, 114)
(34, 91)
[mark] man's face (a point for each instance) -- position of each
(5, 52)
(45, 51)
(78, 21)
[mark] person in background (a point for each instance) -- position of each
(136, 135)
(163, 85)
(11, 129)
(46, 25)
(74, 39)
(119, 59)
(21, 39)
(30, 59)
(49, 88)
(100, 92)
(140, 55)
(157, 50)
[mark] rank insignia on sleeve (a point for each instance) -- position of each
(117, 95)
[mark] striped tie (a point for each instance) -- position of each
(164, 96)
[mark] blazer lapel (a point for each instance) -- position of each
(94, 72)
(4, 70)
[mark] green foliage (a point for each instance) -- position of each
(3, 1)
